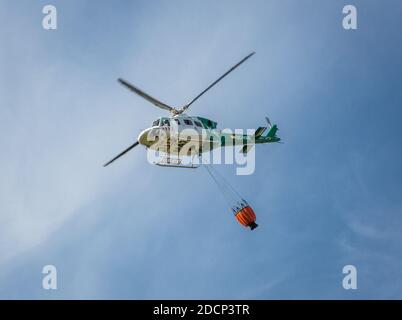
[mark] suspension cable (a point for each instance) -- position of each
(227, 183)
(225, 190)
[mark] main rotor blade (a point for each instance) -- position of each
(121, 154)
(146, 96)
(214, 83)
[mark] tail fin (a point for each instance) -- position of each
(270, 136)
(272, 132)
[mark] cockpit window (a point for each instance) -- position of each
(188, 122)
(155, 123)
(165, 122)
(198, 124)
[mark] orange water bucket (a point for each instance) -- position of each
(246, 217)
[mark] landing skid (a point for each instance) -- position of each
(178, 166)
(176, 163)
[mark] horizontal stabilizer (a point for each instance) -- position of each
(246, 148)
(260, 131)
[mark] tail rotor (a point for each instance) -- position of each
(269, 122)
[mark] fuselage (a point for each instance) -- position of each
(172, 134)
(179, 130)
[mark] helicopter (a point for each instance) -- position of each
(200, 132)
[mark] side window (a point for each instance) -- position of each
(166, 122)
(188, 122)
(198, 124)
(156, 123)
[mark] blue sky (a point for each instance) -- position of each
(328, 197)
